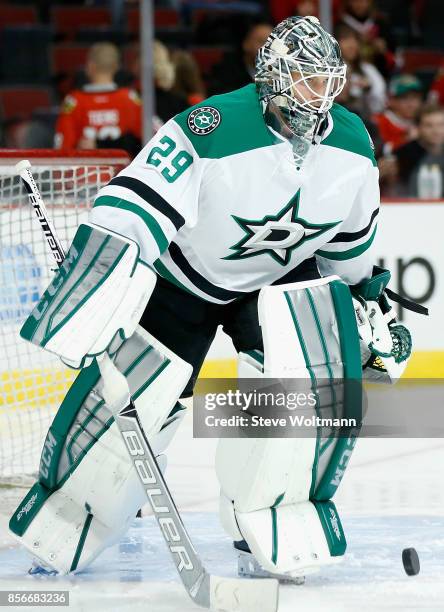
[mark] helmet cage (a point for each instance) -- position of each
(300, 67)
(307, 86)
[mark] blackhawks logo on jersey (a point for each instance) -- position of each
(278, 235)
(69, 104)
(204, 120)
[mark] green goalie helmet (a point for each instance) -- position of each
(300, 69)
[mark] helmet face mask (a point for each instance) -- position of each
(300, 69)
(314, 91)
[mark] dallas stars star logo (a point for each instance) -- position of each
(278, 235)
(204, 120)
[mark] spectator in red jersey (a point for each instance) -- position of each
(397, 124)
(101, 114)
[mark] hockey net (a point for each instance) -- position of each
(33, 382)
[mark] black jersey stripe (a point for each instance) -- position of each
(351, 236)
(151, 197)
(197, 279)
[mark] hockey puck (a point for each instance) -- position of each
(410, 560)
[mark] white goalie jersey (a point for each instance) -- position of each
(219, 207)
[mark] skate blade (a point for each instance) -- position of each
(249, 567)
(40, 570)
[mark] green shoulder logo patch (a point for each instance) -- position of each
(204, 120)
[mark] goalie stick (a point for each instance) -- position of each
(206, 590)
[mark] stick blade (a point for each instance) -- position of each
(243, 595)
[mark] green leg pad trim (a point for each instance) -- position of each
(62, 423)
(81, 543)
(335, 470)
(331, 524)
(29, 507)
(274, 553)
(353, 395)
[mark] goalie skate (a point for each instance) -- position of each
(249, 567)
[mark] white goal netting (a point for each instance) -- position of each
(33, 382)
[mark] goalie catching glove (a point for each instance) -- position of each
(95, 299)
(386, 345)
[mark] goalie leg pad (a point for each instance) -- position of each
(265, 499)
(314, 527)
(275, 488)
(88, 491)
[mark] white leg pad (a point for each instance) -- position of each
(276, 492)
(256, 471)
(285, 540)
(95, 493)
(266, 486)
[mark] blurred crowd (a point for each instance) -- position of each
(393, 50)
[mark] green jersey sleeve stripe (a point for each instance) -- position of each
(352, 236)
(351, 253)
(151, 223)
(151, 197)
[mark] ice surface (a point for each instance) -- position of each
(391, 498)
